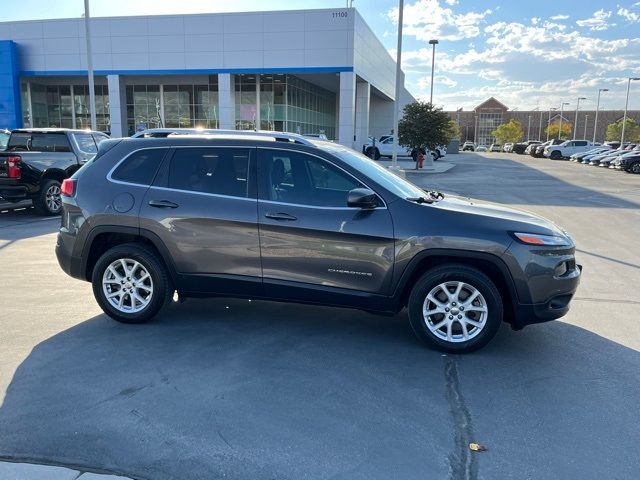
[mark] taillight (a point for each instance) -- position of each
(68, 188)
(13, 170)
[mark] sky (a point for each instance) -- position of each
(526, 54)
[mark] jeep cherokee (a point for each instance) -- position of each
(286, 218)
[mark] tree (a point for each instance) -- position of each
(423, 126)
(510, 132)
(454, 131)
(552, 130)
(631, 131)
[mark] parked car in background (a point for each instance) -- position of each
(594, 161)
(566, 149)
(440, 151)
(520, 147)
(37, 160)
(579, 157)
(468, 147)
(384, 148)
(507, 147)
(538, 152)
(4, 138)
(631, 163)
(481, 148)
(531, 148)
(465, 266)
(616, 163)
(495, 147)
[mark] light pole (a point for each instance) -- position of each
(626, 105)
(433, 42)
(549, 121)
(586, 120)
(595, 122)
(540, 125)
(396, 103)
(575, 123)
(561, 110)
(529, 129)
(92, 90)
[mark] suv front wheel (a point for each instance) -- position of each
(455, 308)
(130, 283)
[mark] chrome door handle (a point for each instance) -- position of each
(280, 216)
(162, 204)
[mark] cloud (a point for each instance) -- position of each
(630, 16)
(516, 62)
(426, 19)
(559, 17)
(598, 21)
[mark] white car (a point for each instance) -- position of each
(384, 148)
(507, 147)
(566, 149)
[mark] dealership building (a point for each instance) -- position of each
(302, 71)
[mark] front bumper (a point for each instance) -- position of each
(555, 307)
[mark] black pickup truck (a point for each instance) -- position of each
(36, 161)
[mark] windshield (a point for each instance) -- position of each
(383, 177)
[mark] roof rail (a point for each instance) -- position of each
(278, 136)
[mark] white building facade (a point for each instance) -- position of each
(305, 71)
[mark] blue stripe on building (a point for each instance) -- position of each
(10, 111)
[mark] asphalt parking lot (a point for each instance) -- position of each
(257, 390)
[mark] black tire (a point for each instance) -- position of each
(555, 155)
(151, 263)
(456, 273)
(376, 154)
(48, 200)
(634, 167)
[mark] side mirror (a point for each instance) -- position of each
(362, 198)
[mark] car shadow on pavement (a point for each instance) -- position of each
(20, 224)
(488, 178)
(238, 389)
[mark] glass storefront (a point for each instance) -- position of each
(65, 106)
(286, 104)
(173, 106)
(279, 102)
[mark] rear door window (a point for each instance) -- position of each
(140, 167)
(85, 142)
(212, 170)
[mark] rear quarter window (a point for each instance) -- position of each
(140, 167)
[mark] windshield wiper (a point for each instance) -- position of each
(420, 199)
(435, 194)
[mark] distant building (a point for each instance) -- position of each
(476, 125)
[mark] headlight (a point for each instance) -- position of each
(537, 239)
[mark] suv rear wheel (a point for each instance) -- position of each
(48, 201)
(130, 283)
(455, 308)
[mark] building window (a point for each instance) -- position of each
(64, 106)
(173, 106)
(246, 102)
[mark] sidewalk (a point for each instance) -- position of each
(409, 166)
(30, 471)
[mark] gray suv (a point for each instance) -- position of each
(287, 218)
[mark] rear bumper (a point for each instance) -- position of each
(554, 308)
(13, 193)
(71, 265)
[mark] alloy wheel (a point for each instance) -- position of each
(127, 285)
(455, 311)
(52, 198)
